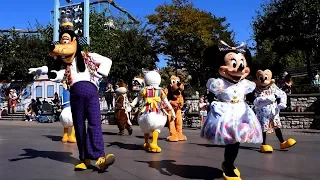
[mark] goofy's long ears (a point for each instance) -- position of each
(79, 58)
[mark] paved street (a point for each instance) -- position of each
(33, 151)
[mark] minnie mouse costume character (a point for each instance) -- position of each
(267, 109)
(82, 73)
(230, 120)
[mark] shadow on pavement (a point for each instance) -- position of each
(53, 138)
(169, 168)
(125, 146)
(64, 157)
(241, 147)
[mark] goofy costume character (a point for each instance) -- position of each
(82, 74)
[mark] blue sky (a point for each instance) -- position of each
(239, 14)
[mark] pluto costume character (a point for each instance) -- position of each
(267, 109)
(123, 108)
(153, 116)
(174, 94)
(230, 120)
(65, 116)
(82, 74)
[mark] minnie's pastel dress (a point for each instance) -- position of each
(230, 119)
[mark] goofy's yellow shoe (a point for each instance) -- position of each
(288, 143)
(236, 170)
(83, 165)
(104, 162)
(266, 148)
(230, 178)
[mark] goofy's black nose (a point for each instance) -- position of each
(179, 83)
(51, 47)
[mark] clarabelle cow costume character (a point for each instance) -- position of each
(267, 109)
(230, 120)
(65, 116)
(153, 115)
(82, 75)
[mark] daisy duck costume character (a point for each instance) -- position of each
(230, 120)
(267, 109)
(65, 116)
(82, 73)
(153, 116)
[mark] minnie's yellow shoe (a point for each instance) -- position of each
(104, 162)
(230, 178)
(288, 143)
(266, 148)
(236, 170)
(83, 165)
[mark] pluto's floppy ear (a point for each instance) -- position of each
(145, 71)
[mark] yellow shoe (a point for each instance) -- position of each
(154, 148)
(288, 143)
(105, 162)
(83, 165)
(266, 149)
(65, 135)
(72, 137)
(236, 170)
(230, 178)
(146, 146)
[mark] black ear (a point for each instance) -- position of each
(248, 57)
(80, 61)
(213, 58)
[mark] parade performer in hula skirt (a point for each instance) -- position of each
(230, 120)
(267, 109)
(65, 116)
(153, 115)
(82, 73)
(123, 108)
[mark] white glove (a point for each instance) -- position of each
(59, 76)
(173, 114)
(282, 106)
(38, 70)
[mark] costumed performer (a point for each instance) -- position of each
(82, 73)
(65, 116)
(137, 84)
(224, 125)
(123, 108)
(267, 109)
(174, 93)
(153, 115)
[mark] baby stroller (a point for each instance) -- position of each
(46, 114)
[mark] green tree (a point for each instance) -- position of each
(128, 46)
(19, 52)
(182, 32)
(287, 32)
